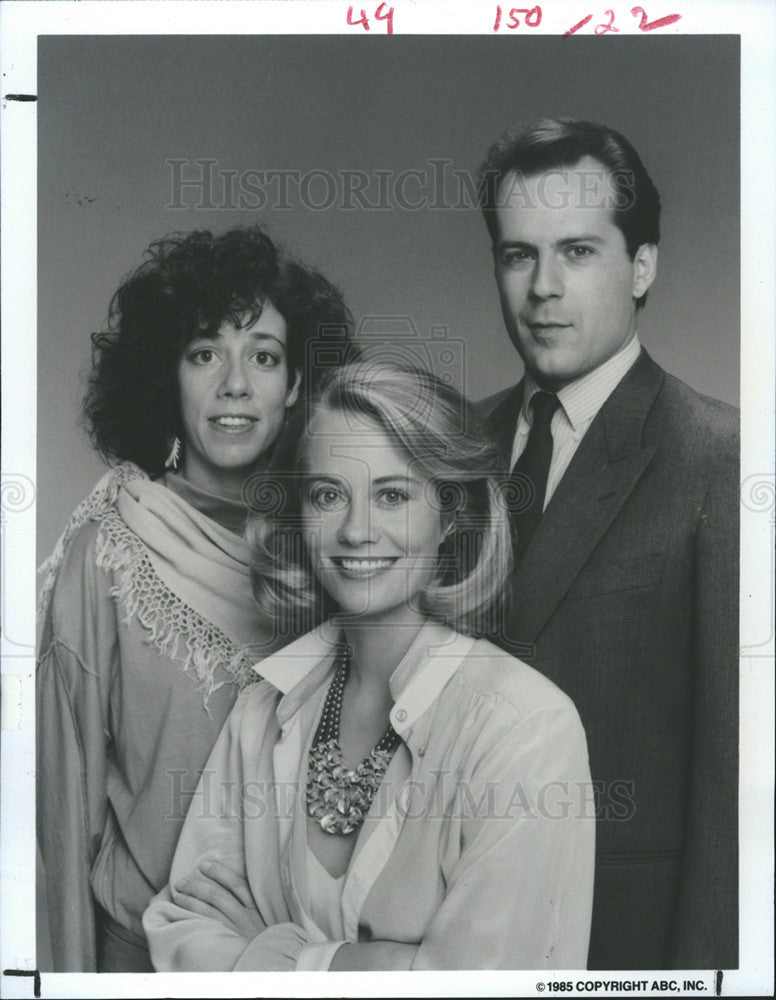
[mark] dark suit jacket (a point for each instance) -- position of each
(627, 598)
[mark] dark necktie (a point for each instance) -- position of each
(528, 479)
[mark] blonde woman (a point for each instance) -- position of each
(395, 793)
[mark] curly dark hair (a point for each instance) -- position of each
(188, 286)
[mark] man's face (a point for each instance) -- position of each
(568, 288)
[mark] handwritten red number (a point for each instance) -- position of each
(536, 13)
(362, 20)
(661, 22)
(578, 25)
(385, 15)
(602, 29)
(533, 17)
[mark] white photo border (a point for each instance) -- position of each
(21, 24)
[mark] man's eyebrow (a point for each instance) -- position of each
(571, 240)
(567, 241)
(515, 245)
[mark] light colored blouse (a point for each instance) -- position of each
(325, 893)
(478, 847)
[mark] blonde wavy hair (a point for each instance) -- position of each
(446, 440)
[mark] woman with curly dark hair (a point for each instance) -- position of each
(148, 627)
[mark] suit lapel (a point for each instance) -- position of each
(603, 472)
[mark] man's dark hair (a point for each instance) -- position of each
(554, 143)
(187, 286)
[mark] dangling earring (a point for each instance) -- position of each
(448, 530)
(175, 454)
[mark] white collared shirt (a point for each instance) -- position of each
(478, 848)
(580, 402)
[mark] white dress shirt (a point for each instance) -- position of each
(580, 402)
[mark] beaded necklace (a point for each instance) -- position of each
(338, 798)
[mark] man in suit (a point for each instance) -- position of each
(625, 591)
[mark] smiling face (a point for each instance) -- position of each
(234, 391)
(568, 288)
(373, 530)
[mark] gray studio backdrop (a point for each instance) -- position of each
(332, 115)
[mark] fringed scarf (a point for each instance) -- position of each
(183, 577)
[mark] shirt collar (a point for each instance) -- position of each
(428, 665)
(583, 398)
(301, 667)
(298, 668)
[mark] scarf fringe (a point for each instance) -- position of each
(91, 508)
(174, 629)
